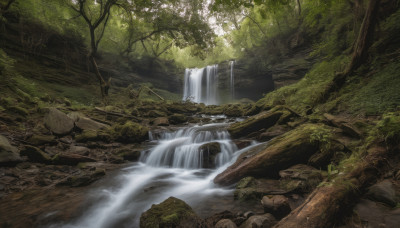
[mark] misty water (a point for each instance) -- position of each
(173, 166)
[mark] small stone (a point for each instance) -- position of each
(259, 221)
(225, 223)
(277, 205)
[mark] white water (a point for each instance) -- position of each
(232, 64)
(171, 168)
(200, 89)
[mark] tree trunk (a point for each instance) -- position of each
(328, 205)
(360, 53)
(299, 5)
(103, 84)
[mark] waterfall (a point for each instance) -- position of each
(200, 89)
(232, 64)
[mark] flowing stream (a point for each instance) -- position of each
(172, 167)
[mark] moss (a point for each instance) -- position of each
(170, 213)
(233, 110)
(87, 135)
(18, 110)
(129, 132)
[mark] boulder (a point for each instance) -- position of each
(8, 154)
(38, 140)
(276, 205)
(254, 123)
(259, 221)
(71, 159)
(209, 152)
(88, 124)
(172, 212)
(161, 121)
(177, 118)
(58, 122)
(35, 154)
(281, 152)
(383, 192)
(214, 219)
(225, 223)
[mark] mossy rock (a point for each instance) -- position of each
(87, 135)
(8, 154)
(129, 154)
(213, 110)
(35, 154)
(183, 108)
(172, 212)
(130, 132)
(178, 118)
(18, 110)
(255, 123)
(233, 110)
(37, 139)
(250, 188)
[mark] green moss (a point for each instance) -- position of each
(87, 135)
(129, 132)
(169, 213)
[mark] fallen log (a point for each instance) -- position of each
(326, 206)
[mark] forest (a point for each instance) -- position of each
(199, 113)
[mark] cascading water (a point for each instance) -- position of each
(173, 167)
(232, 84)
(200, 89)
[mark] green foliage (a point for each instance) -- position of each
(307, 91)
(389, 128)
(322, 135)
(7, 71)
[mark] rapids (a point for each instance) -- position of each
(172, 167)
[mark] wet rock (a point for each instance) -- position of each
(161, 121)
(172, 212)
(35, 154)
(281, 152)
(129, 154)
(213, 220)
(177, 118)
(130, 132)
(39, 140)
(8, 153)
(83, 179)
(58, 122)
(383, 192)
(254, 123)
(276, 205)
(88, 124)
(71, 159)
(225, 223)
(259, 221)
(209, 151)
(243, 143)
